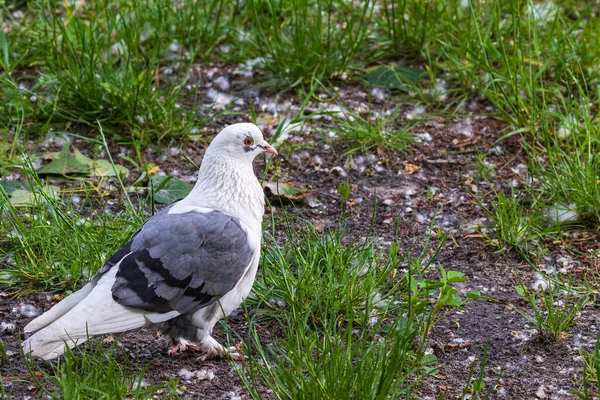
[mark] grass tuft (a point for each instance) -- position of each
(363, 133)
(555, 308)
(305, 40)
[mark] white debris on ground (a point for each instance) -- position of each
(287, 131)
(220, 100)
(560, 213)
(233, 396)
(366, 163)
(441, 90)
(200, 375)
(222, 83)
(524, 335)
(56, 139)
(338, 171)
(117, 49)
(541, 282)
(26, 310)
(425, 137)
(378, 95)
(496, 150)
(465, 127)
(246, 69)
(415, 113)
(7, 327)
(542, 11)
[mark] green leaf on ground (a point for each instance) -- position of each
(11, 186)
(67, 163)
(64, 163)
(24, 197)
(395, 77)
(170, 191)
(20, 193)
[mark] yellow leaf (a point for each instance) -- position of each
(153, 170)
(411, 168)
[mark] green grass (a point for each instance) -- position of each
(590, 382)
(136, 66)
(541, 79)
(95, 372)
(555, 308)
(125, 64)
(48, 243)
(351, 325)
(362, 133)
(306, 40)
(408, 25)
(516, 226)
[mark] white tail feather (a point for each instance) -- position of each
(94, 313)
(60, 309)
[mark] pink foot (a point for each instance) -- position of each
(184, 345)
(174, 349)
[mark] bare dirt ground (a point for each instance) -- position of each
(437, 179)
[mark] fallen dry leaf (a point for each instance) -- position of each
(21, 377)
(285, 191)
(410, 168)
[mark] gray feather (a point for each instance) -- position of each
(182, 262)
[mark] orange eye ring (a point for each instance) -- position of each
(248, 141)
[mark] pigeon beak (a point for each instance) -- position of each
(269, 149)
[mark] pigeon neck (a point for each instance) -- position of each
(229, 185)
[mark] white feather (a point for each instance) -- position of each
(96, 314)
(59, 309)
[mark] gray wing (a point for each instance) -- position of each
(182, 262)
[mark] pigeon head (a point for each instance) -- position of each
(240, 141)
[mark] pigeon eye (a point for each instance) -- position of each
(248, 141)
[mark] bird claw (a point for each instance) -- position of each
(233, 353)
(185, 346)
(211, 349)
(237, 356)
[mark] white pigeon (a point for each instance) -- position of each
(188, 266)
